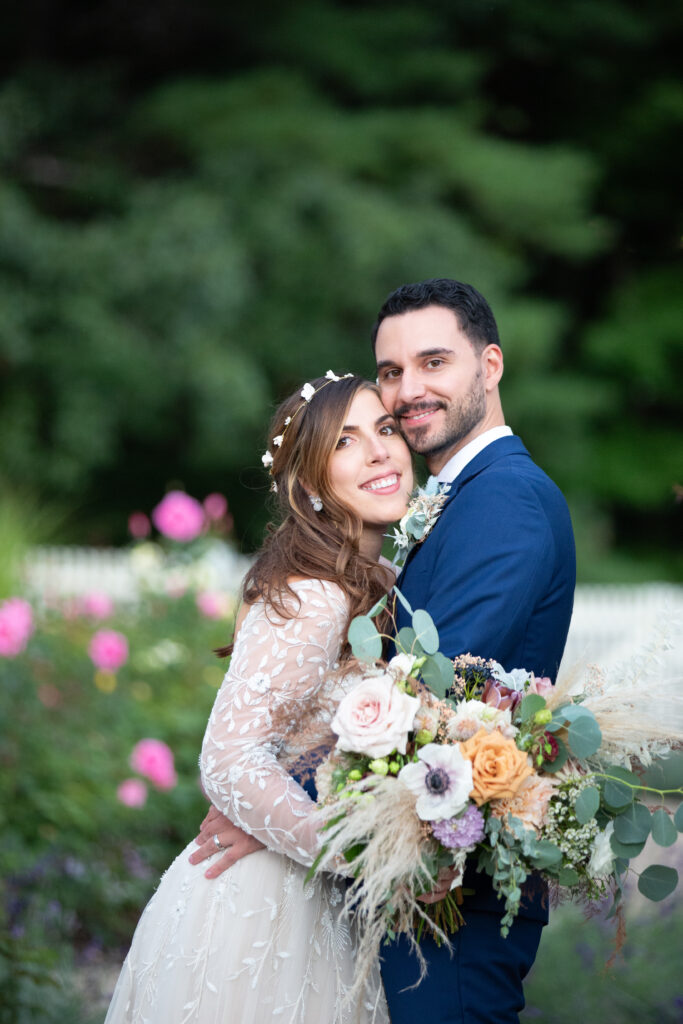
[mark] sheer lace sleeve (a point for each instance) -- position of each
(275, 662)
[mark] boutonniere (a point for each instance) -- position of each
(422, 513)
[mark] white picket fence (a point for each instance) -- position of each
(609, 622)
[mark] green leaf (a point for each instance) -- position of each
(657, 882)
(572, 712)
(366, 643)
(584, 736)
(678, 817)
(560, 760)
(626, 850)
(532, 703)
(377, 608)
(546, 855)
(568, 876)
(633, 825)
(406, 641)
(617, 794)
(426, 631)
(663, 829)
(587, 803)
(403, 601)
(437, 672)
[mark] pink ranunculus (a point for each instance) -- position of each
(139, 525)
(97, 605)
(154, 759)
(108, 650)
(542, 686)
(16, 626)
(132, 792)
(215, 506)
(375, 717)
(213, 604)
(179, 516)
(499, 696)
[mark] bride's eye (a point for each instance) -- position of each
(387, 429)
(344, 441)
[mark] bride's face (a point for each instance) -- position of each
(370, 470)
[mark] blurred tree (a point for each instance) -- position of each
(201, 209)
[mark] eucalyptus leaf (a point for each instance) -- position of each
(406, 640)
(366, 642)
(572, 712)
(426, 631)
(568, 876)
(657, 882)
(532, 703)
(617, 794)
(584, 736)
(545, 855)
(377, 608)
(678, 818)
(437, 672)
(626, 850)
(587, 803)
(633, 825)
(663, 829)
(403, 601)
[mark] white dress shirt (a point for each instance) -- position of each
(457, 463)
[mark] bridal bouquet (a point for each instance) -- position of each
(439, 764)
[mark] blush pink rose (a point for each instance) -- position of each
(97, 605)
(215, 506)
(139, 525)
(154, 759)
(108, 650)
(132, 793)
(542, 686)
(375, 717)
(16, 626)
(179, 516)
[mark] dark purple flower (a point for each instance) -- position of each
(465, 830)
(500, 696)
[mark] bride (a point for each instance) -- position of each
(258, 943)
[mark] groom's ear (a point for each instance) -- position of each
(492, 365)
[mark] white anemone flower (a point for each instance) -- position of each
(441, 780)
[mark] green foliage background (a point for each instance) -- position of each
(201, 207)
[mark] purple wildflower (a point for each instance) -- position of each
(466, 830)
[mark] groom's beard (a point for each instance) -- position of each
(460, 421)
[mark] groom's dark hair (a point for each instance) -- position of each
(473, 313)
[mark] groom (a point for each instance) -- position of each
(496, 574)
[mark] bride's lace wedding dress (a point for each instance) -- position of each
(255, 944)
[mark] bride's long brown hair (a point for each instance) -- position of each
(308, 544)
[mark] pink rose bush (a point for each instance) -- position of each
(215, 506)
(132, 793)
(139, 525)
(97, 605)
(375, 717)
(16, 626)
(108, 650)
(179, 517)
(154, 759)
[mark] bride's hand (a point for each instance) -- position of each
(444, 884)
(233, 840)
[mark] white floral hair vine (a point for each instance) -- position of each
(307, 393)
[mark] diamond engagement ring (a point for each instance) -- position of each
(218, 844)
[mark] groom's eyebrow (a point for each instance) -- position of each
(387, 417)
(425, 353)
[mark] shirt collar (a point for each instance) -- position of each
(457, 463)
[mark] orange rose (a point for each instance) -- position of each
(498, 766)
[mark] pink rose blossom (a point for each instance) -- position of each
(542, 686)
(213, 605)
(16, 626)
(139, 525)
(179, 516)
(108, 650)
(215, 506)
(154, 759)
(375, 717)
(97, 605)
(132, 793)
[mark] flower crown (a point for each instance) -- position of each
(307, 393)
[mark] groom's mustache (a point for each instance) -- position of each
(411, 410)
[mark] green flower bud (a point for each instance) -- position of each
(394, 767)
(379, 766)
(355, 775)
(424, 736)
(543, 716)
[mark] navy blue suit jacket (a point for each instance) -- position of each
(497, 575)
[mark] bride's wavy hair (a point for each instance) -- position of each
(314, 545)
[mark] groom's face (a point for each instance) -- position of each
(432, 380)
